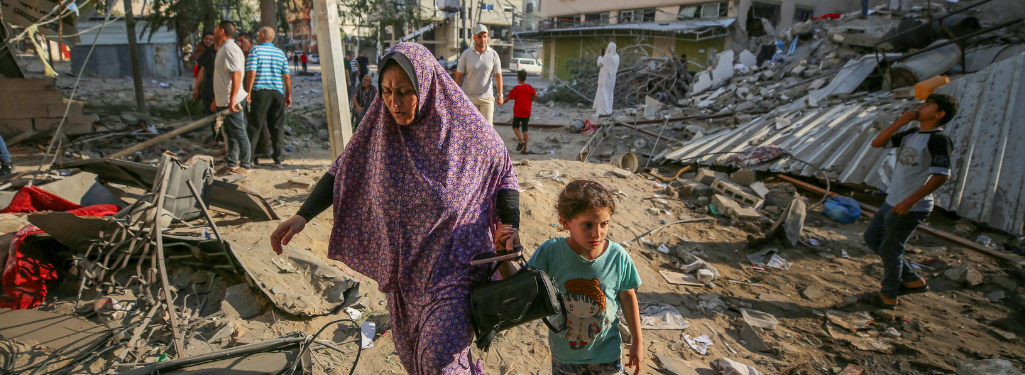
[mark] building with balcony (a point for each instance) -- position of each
(571, 29)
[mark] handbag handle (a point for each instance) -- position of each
(562, 306)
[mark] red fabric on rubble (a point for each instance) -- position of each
(25, 273)
(831, 16)
(34, 199)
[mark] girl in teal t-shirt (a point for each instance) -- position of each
(597, 277)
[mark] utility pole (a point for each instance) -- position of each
(462, 31)
(269, 15)
(336, 98)
(133, 54)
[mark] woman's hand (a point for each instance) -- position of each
(283, 234)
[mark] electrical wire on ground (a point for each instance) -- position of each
(306, 344)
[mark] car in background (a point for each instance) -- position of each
(314, 58)
(530, 65)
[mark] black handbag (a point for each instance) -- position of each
(527, 295)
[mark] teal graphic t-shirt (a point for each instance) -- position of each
(591, 289)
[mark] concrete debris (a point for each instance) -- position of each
(987, 367)
(752, 336)
(240, 302)
(621, 173)
(964, 274)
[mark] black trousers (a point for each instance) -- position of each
(268, 110)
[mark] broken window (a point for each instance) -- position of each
(637, 15)
(707, 10)
(803, 14)
(759, 10)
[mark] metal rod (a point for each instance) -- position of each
(655, 145)
(135, 337)
(184, 129)
(202, 206)
(161, 267)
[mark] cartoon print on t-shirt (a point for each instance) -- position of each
(585, 303)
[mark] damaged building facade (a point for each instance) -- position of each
(446, 34)
(699, 29)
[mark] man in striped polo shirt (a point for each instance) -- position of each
(270, 88)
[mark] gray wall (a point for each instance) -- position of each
(158, 60)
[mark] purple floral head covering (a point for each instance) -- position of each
(414, 203)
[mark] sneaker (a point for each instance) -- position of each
(5, 169)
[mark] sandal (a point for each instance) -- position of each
(904, 290)
(528, 152)
(874, 299)
(239, 171)
(519, 146)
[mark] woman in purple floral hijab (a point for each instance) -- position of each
(415, 194)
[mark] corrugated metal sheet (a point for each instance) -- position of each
(988, 182)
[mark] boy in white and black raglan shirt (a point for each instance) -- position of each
(923, 165)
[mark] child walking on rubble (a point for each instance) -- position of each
(524, 95)
(597, 277)
(923, 165)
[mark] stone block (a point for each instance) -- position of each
(722, 186)
(694, 188)
(621, 173)
(744, 177)
(759, 189)
(705, 176)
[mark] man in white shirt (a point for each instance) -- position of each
(228, 94)
(481, 68)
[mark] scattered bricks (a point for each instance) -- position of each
(12, 127)
(744, 177)
(26, 84)
(22, 110)
(745, 214)
(57, 110)
(725, 188)
(621, 173)
(725, 204)
(705, 176)
(694, 188)
(31, 97)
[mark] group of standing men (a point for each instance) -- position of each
(247, 81)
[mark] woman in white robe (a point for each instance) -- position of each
(609, 65)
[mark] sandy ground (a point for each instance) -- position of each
(940, 328)
(937, 329)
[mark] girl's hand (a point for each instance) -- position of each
(504, 235)
(635, 356)
(283, 234)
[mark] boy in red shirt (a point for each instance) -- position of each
(524, 95)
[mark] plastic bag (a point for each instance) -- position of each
(842, 209)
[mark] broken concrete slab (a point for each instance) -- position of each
(68, 335)
(724, 204)
(813, 293)
(987, 367)
(315, 288)
(621, 173)
(748, 59)
(705, 176)
(722, 186)
(240, 302)
(753, 338)
(236, 198)
(723, 67)
(759, 188)
(82, 188)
